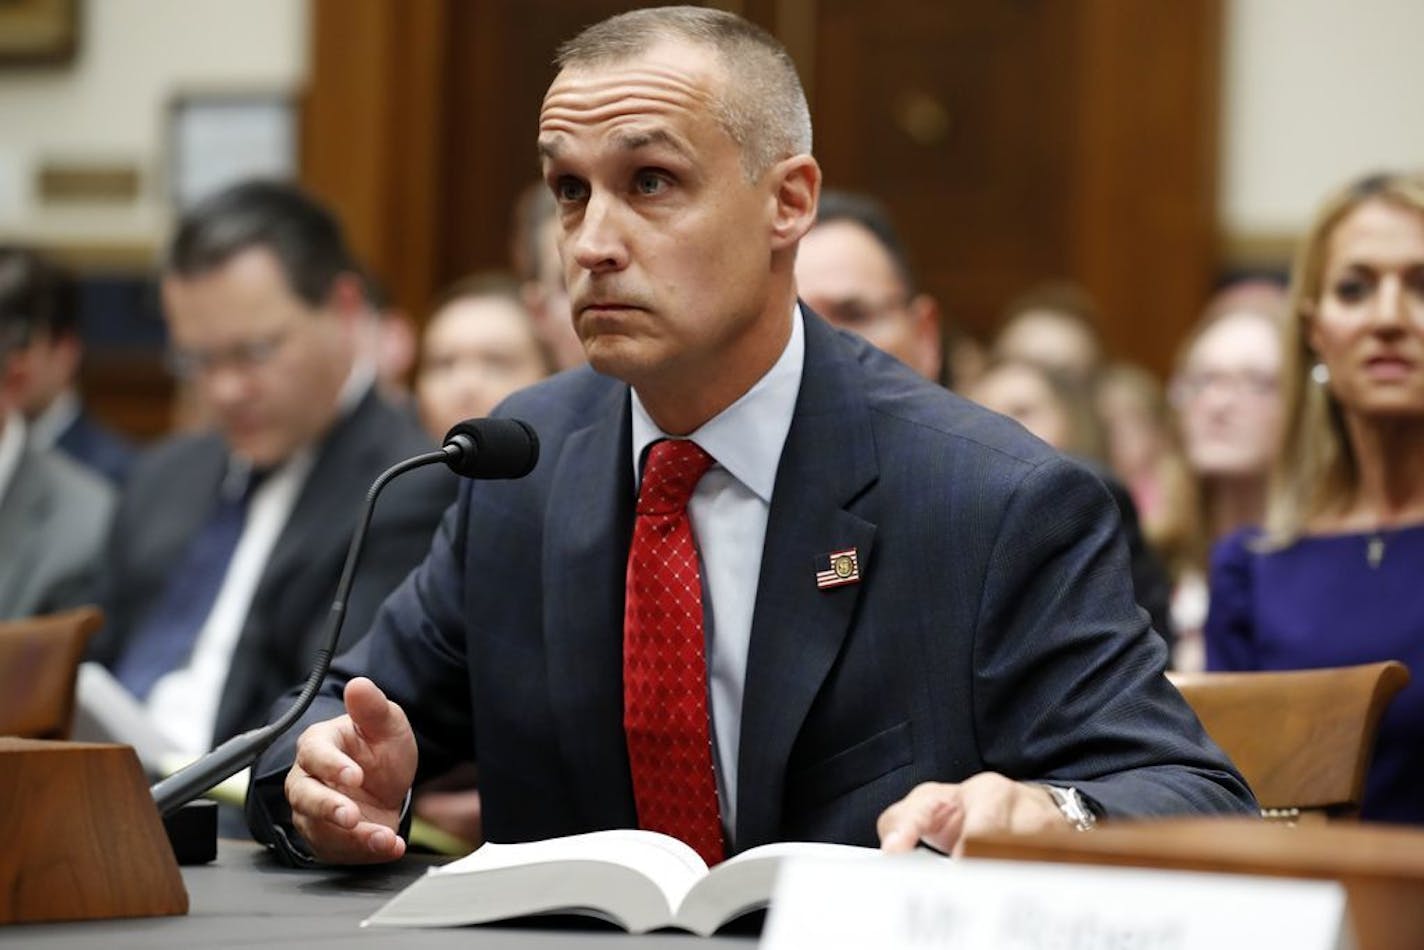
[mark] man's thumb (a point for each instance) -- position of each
(374, 716)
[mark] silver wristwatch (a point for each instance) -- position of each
(1071, 804)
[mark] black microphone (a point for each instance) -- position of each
(492, 448)
(475, 448)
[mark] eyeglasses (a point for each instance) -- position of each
(246, 357)
(1243, 384)
(855, 313)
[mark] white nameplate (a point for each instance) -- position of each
(922, 901)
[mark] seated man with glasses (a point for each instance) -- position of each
(853, 270)
(228, 544)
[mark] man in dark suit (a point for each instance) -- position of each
(227, 545)
(876, 586)
(52, 355)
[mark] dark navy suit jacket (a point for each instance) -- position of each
(91, 444)
(993, 628)
(170, 493)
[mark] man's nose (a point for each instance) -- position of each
(599, 243)
(225, 385)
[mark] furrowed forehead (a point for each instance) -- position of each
(618, 95)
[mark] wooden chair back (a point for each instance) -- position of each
(1302, 738)
(39, 663)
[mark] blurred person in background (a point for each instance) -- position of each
(1043, 402)
(52, 354)
(391, 336)
(852, 269)
(480, 345)
(228, 543)
(534, 251)
(1054, 324)
(1060, 413)
(53, 512)
(1141, 446)
(1333, 579)
(1225, 393)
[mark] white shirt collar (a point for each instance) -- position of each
(12, 444)
(361, 378)
(746, 438)
(48, 426)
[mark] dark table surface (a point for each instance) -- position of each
(244, 899)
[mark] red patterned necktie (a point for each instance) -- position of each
(665, 659)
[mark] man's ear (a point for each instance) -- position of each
(796, 185)
(348, 301)
(929, 336)
(14, 374)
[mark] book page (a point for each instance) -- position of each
(633, 878)
(662, 859)
(743, 883)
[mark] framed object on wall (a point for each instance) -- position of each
(38, 32)
(218, 138)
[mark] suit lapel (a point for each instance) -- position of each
(329, 498)
(588, 527)
(798, 628)
(325, 506)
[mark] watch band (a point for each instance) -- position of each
(1071, 804)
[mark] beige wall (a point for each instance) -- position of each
(110, 105)
(1316, 92)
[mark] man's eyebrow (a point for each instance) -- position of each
(551, 148)
(632, 141)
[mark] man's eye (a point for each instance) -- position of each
(569, 189)
(650, 183)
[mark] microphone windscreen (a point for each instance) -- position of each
(493, 448)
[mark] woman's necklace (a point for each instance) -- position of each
(1374, 548)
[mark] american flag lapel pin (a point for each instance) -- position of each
(837, 568)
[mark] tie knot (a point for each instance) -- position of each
(672, 471)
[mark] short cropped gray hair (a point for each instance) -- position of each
(762, 105)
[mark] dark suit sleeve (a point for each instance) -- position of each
(1069, 684)
(1149, 576)
(416, 653)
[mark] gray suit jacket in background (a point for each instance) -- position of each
(170, 492)
(993, 628)
(54, 517)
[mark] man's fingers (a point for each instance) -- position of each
(321, 754)
(334, 825)
(365, 842)
(345, 787)
(931, 813)
(316, 800)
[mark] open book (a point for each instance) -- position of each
(639, 880)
